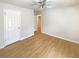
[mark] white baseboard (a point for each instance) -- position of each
(17, 40)
(26, 37)
(63, 38)
(2, 47)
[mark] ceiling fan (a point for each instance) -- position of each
(41, 4)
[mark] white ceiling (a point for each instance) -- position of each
(21, 3)
(54, 3)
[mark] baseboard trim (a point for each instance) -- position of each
(16, 41)
(2, 47)
(63, 38)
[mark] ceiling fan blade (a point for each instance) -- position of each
(44, 2)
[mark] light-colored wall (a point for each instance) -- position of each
(62, 22)
(27, 22)
(1, 28)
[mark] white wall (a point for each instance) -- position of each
(1, 28)
(62, 22)
(27, 22)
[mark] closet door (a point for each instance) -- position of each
(12, 27)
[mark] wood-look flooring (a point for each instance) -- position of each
(41, 46)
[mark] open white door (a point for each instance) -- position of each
(12, 21)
